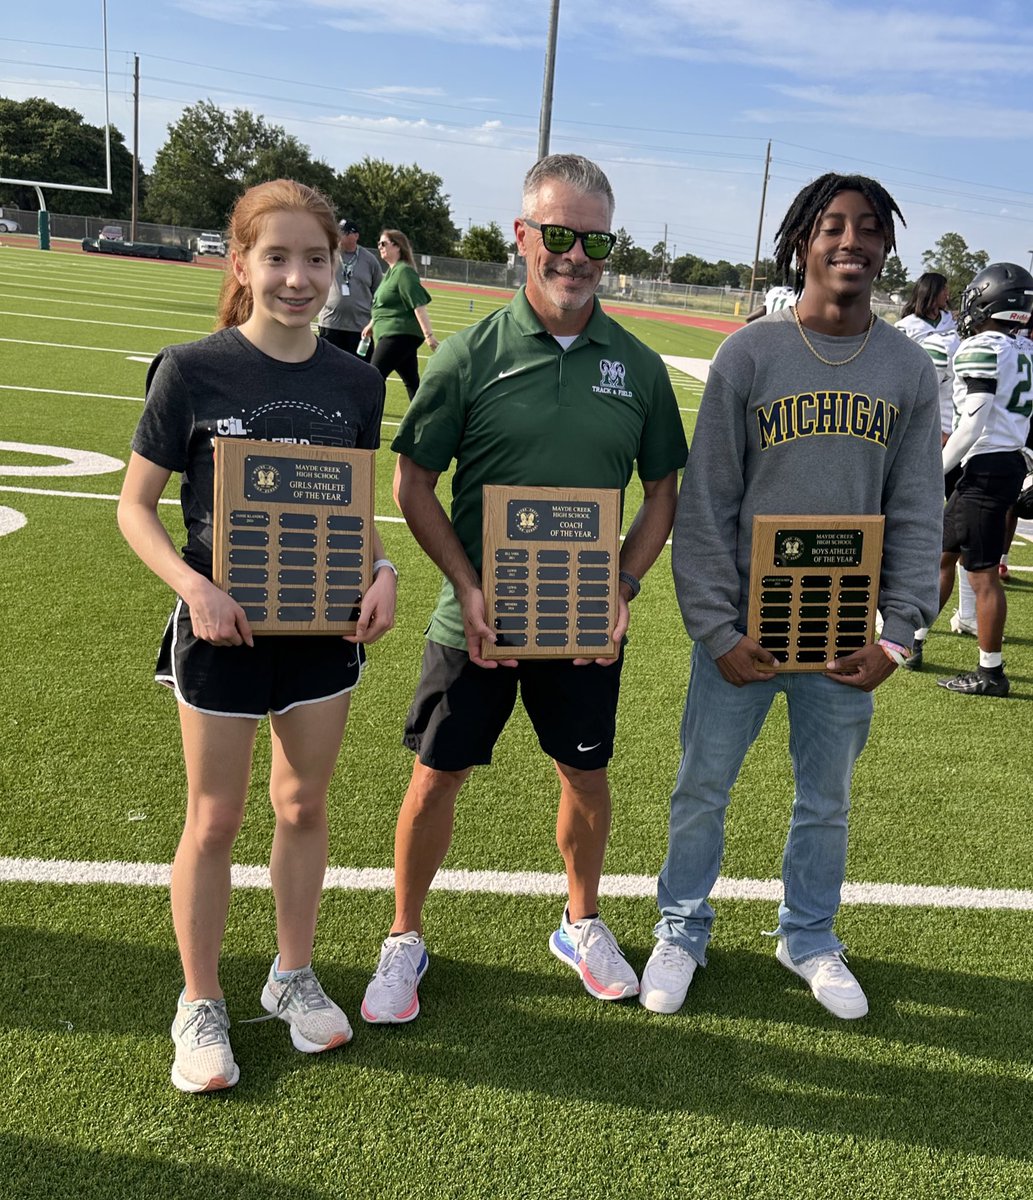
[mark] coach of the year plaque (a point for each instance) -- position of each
(814, 587)
(550, 571)
(293, 533)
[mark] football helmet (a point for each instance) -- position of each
(1000, 292)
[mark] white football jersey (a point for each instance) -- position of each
(918, 328)
(941, 348)
(1008, 363)
(777, 298)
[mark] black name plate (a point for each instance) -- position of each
(818, 547)
(297, 481)
(540, 520)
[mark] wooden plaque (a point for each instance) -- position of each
(293, 533)
(550, 571)
(814, 587)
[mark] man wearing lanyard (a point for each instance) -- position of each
(350, 301)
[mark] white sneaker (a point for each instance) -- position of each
(831, 982)
(666, 977)
(204, 1060)
(960, 625)
(316, 1021)
(591, 949)
(391, 996)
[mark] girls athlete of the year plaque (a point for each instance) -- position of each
(293, 533)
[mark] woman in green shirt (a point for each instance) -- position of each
(400, 322)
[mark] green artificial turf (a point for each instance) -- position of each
(513, 1082)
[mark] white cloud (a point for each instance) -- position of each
(909, 113)
(399, 89)
(480, 22)
(826, 39)
(255, 14)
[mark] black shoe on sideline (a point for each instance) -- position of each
(977, 683)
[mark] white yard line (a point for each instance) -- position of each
(70, 346)
(11, 387)
(512, 883)
(112, 324)
(27, 491)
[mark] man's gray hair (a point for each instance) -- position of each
(573, 169)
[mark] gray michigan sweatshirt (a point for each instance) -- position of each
(779, 432)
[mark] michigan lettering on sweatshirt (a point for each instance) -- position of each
(813, 414)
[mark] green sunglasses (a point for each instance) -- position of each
(558, 239)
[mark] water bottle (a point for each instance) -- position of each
(362, 349)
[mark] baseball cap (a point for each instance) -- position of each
(347, 227)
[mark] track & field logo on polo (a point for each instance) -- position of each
(611, 380)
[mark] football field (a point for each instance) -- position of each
(513, 1082)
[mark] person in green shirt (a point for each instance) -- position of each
(400, 322)
(548, 391)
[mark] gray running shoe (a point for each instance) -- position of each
(204, 1060)
(316, 1022)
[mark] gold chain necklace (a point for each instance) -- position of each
(821, 357)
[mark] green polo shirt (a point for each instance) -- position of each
(399, 293)
(506, 402)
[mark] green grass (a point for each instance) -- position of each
(513, 1082)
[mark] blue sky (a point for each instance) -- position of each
(675, 98)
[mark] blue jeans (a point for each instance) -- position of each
(828, 727)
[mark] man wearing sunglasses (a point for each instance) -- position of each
(548, 391)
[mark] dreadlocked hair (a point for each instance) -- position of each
(794, 234)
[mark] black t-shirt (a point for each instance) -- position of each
(223, 386)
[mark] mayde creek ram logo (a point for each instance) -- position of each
(611, 380)
(265, 478)
(528, 519)
(792, 547)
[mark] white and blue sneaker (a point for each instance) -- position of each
(589, 948)
(391, 995)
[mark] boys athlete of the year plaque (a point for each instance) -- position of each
(550, 568)
(814, 587)
(293, 533)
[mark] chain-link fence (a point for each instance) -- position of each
(720, 301)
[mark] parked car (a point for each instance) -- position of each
(7, 225)
(211, 243)
(113, 233)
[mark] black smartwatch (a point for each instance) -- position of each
(634, 584)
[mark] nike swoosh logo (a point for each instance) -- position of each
(585, 749)
(976, 411)
(513, 371)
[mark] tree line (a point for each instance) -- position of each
(211, 156)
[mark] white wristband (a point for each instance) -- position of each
(384, 562)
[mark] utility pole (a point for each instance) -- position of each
(760, 222)
(136, 146)
(545, 120)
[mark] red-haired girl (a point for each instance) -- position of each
(262, 374)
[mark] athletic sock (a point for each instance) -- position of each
(281, 975)
(990, 660)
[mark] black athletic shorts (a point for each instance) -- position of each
(460, 709)
(974, 519)
(276, 674)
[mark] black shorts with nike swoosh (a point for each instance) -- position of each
(460, 709)
(974, 521)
